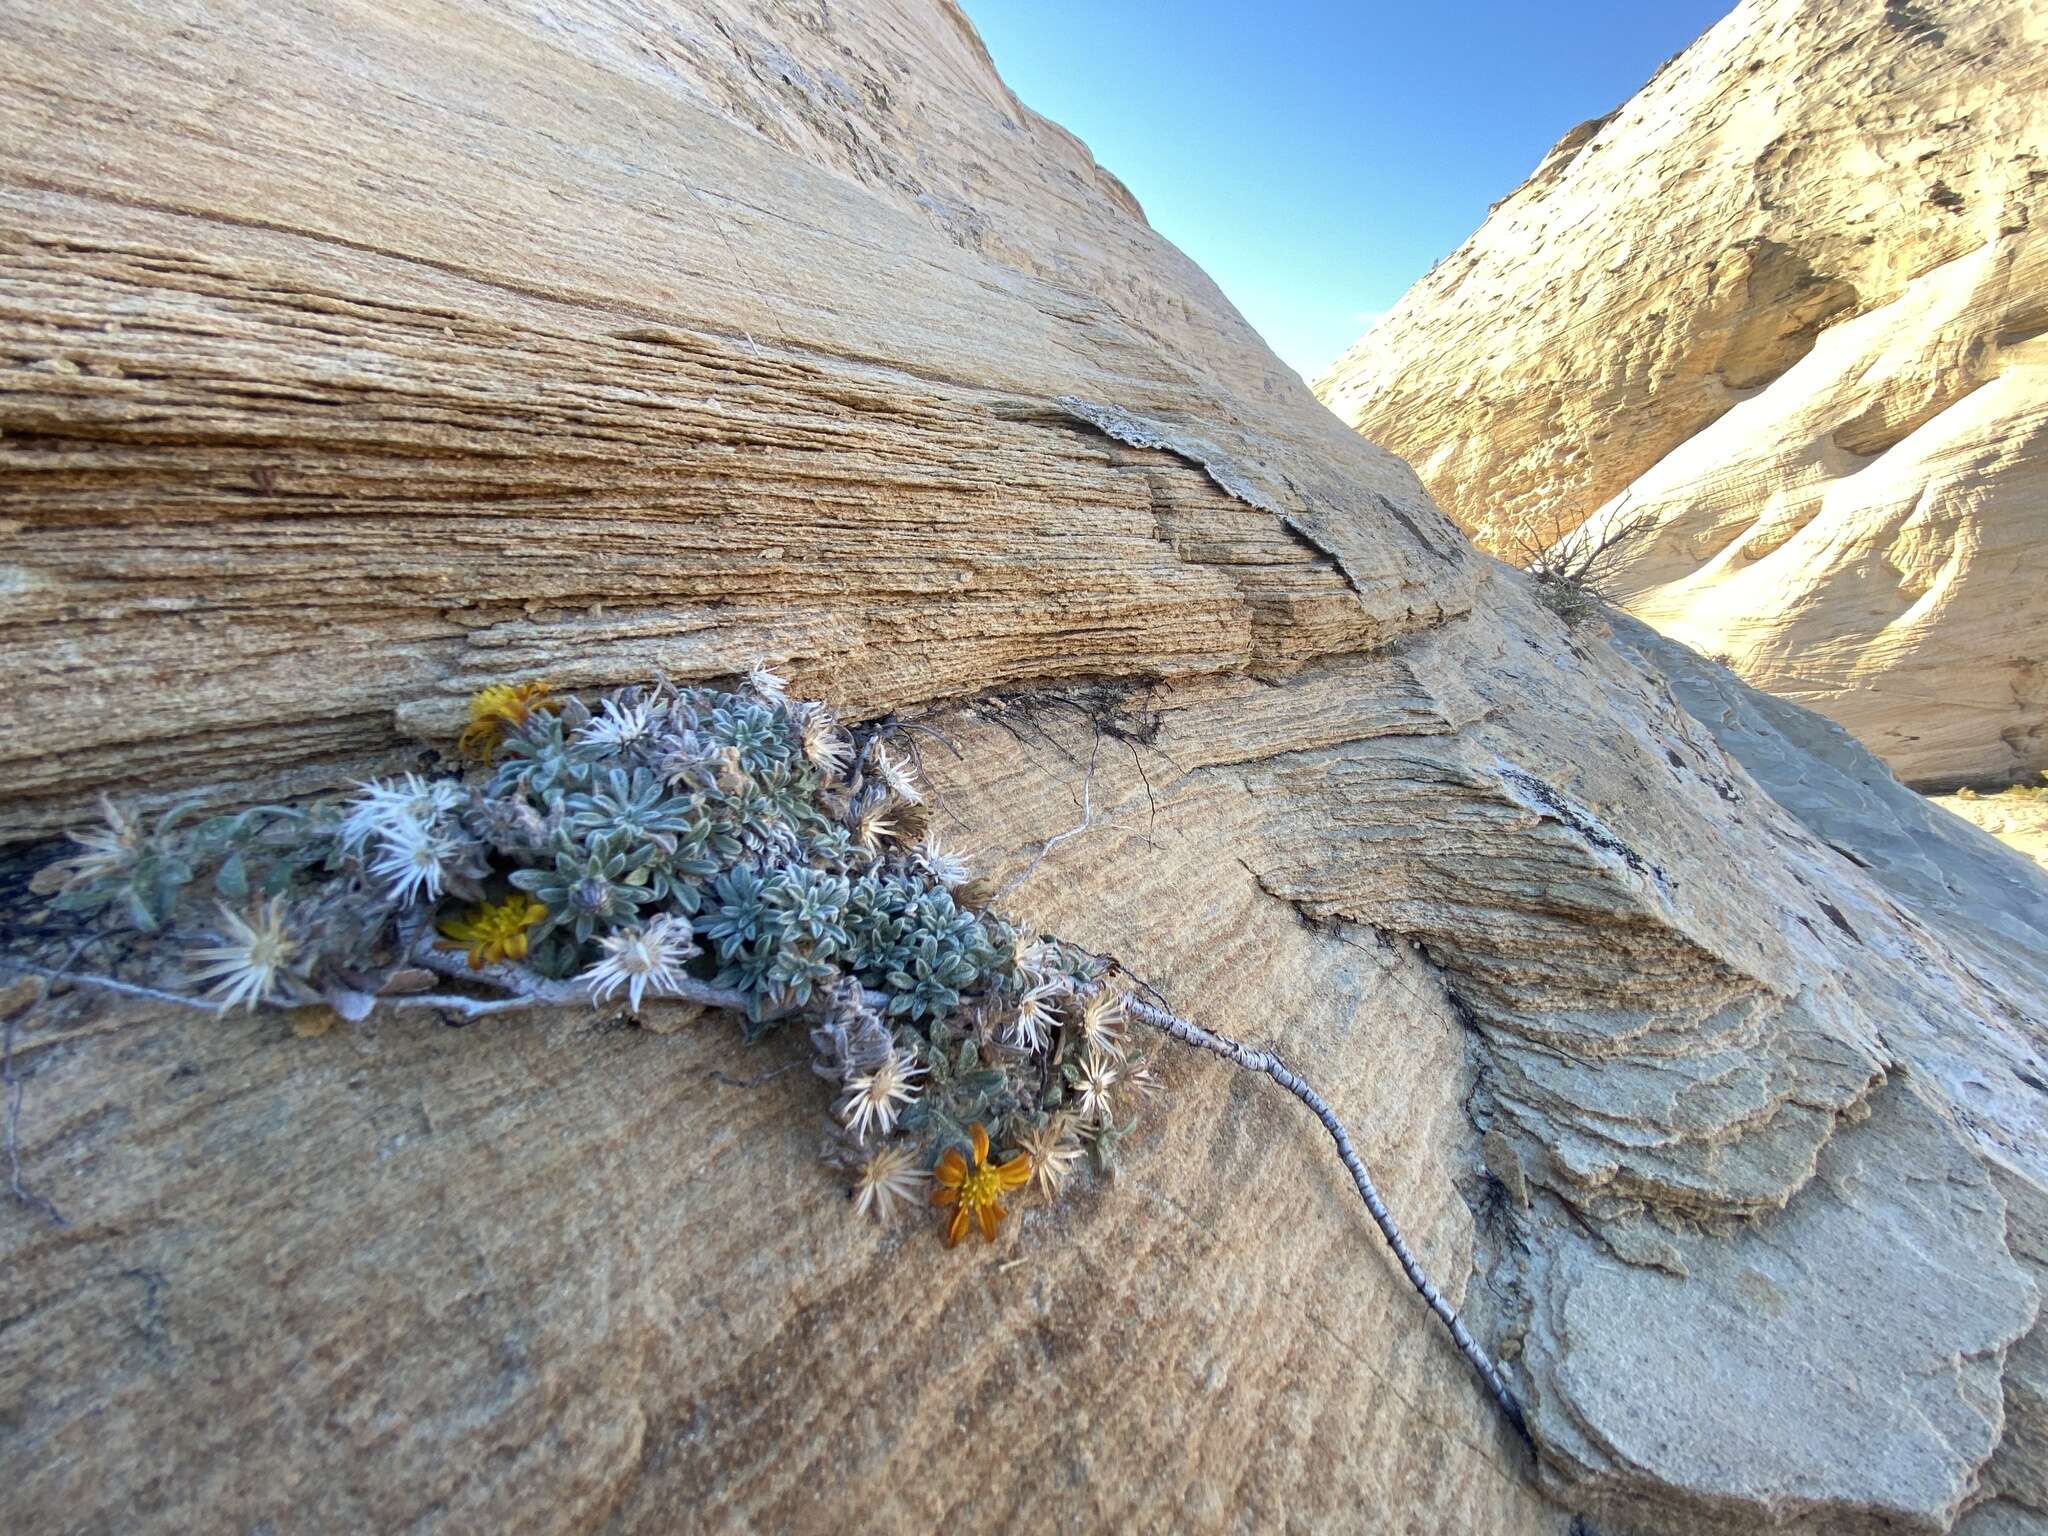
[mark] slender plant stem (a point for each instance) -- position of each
(1087, 820)
(524, 990)
(110, 984)
(530, 990)
(1270, 1065)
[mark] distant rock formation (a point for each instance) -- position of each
(1792, 299)
(2018, 817)
(353, 357)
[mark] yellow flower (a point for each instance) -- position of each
(497, 708)
(976, 1191)
(494, 931)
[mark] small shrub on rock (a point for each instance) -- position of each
(1573, 568)
(732, 849)
(718, 849)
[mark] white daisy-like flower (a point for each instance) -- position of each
(888, 1181)
(1037, 1014)
(1054, 1154)
(104, 851)
(642, 958)
(620, 726)
(1097, 1077)
(874, 1098)
(253, 957)
(1102, 1019)
(897, 775)
(1039, 960)
(396, 808)
(823, 744)
(872, 823)
(941, 862)
(412, 862)
(1145, 1079)
(767, 683)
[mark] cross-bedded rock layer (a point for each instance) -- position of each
(1787, 304)
(351, 359)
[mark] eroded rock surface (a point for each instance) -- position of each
(2017, 817)
(353, 360)
(1818, 368)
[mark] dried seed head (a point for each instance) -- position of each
(888, 1181)
(873, 822)
(1055, 1153)
(823, 743)
(1037, 1017)
(766, 684)
(939, 861)
(1102, 1021)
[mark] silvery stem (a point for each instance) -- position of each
(1265, 1062)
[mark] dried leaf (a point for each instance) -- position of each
(309, 1022)
(20, 993)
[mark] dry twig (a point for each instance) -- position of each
(1574, 568)
(1270, 1065)
(1087, 820)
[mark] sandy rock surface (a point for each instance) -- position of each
(2016, 817)
(1788, 303)
(352, 359)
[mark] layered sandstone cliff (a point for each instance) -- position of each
(354, 357)
(1791, 301)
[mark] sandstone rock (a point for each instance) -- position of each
(350, 363)
(1819, 369)
(1845, 798)
(2018, 817)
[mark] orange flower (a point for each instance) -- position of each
(976, 1191)
(499, 707)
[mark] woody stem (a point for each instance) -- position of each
(1270, 1065)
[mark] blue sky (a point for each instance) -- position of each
(1316, 157)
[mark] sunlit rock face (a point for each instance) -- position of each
(353, 360)
(2017, 817)
(1790, 302)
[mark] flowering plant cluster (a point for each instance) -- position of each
(681, 846)
(678, 851)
